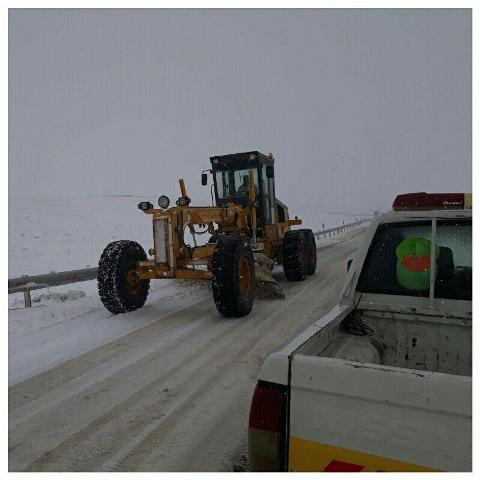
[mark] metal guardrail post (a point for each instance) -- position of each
(28, 298)
(26, 295)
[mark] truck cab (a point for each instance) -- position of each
(272, 222)
(383, 381)
(230, 179)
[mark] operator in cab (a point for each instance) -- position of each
(244, 188)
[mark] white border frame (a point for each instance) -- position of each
(232, 4)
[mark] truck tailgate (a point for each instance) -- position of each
(350, 416)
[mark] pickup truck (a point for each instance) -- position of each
(383, 381)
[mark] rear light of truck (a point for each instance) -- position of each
(267, 428)
(433, 201)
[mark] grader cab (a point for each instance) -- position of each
(246, 222)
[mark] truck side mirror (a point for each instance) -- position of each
(204, 178)
(269, 171)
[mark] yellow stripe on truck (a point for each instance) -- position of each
(309, 456)
(467, 202)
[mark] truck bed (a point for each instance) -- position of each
(420, 342)
(408, 381)
(377, 418)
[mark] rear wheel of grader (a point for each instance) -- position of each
(310, 251)
(294, 255)
(233, 277)
(119, 287)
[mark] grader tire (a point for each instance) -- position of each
(214, 238)
(233, 277)
(293, 255)
(119, 289)
(310, 251)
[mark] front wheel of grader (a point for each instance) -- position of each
(233, 276)
(118, 285)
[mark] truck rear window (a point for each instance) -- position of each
(454, 265)
(399, 259)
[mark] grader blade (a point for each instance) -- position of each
(266, 286)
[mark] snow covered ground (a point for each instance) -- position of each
(170, 393)
(55, 330)
(57, 234)
(63, 234)
(68, 233)
(144, 390)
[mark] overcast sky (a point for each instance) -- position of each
(356, 105)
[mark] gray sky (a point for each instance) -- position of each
(356, 105)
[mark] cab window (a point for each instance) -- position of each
(222, 179)
(454, 264)
(268, 197)
(399, 260)
(241, 182)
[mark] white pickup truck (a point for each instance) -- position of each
(383, 382)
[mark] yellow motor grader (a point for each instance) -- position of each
(246, 218)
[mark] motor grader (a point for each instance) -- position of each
(245, 219)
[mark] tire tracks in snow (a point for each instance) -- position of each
(173, 395)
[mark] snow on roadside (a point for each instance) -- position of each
(66, 234)
(55, 234)
(53, 331)
(55, 305)
(69, 233)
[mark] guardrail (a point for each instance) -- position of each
(27, 283)
(339, 229)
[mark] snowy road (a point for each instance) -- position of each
(165, 393)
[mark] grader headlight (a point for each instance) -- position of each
(163, 202)
(183, 201)
(145, 206)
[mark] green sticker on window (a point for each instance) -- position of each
(413, 263)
